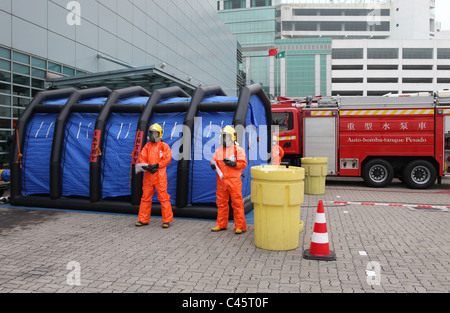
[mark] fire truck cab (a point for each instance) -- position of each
(376, 138)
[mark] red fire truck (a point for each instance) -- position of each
(377, 138)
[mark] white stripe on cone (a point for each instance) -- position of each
(320, 218)
(319, 237)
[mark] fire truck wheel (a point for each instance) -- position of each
(419, 174)
(377, 173)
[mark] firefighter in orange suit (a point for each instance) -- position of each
(230, 160)
(277, 152)
(157, 155)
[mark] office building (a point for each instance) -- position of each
(354, 47)
(116, 43)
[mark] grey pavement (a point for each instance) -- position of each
(379, 249)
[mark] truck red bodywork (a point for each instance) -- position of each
(406, 133)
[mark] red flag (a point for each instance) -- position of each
(273, 51)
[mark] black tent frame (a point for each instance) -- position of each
(129, 204)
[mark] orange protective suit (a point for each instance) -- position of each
(152, 153)
(277, 154)
(230, 186)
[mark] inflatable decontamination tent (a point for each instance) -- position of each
(79, 149)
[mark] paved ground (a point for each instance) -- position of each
(380, 249)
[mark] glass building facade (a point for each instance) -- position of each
(255, 30)
(305, 68)
(22, 75)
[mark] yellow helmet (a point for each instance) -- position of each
(158, 128)
(230, 130)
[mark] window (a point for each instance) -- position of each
(332, 12)
(286, 26)
(68, 71)
(382, 53)
(54, 67)
(21, 69)
(21, 80)
(39, 63)
(356, 26)
(5, 111)
(5, 65)
(305, 12)
(5, 88)
(417, 80)
(305, 26)
(417, 67)
(5, 100)
(383, 27)
(443, 80)
(347, 80)
(5, 53)
(17, 112)
(347, 67)
(285, 120)
(383, 67)
(331, 26)
(38, 73)
(418, 53)
(21, 91)
(5, 77)
(261, 3)
(443, 53)
(234, 4)
(37, 83)
(348, 53)
(382, 80)
(20, 57)
(347, 93)
(20, 102)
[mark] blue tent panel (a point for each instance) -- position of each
(56, 102)
(120, 135)
(97, 100)
(36, 154)
(133, 100)
(79, 131)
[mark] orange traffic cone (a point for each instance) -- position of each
(320, 249)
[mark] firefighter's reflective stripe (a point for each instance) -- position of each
(387, 112)
(446, 111)
(287, 138)
(321, 113)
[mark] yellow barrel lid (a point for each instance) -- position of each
(314, 160)
(277, 172)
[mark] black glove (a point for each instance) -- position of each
(213, 167)
(147, 167)
(155, 168)
(229, 163)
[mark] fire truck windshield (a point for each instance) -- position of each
(284, 120)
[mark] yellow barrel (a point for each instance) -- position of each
(316, 170)
(277, 193)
